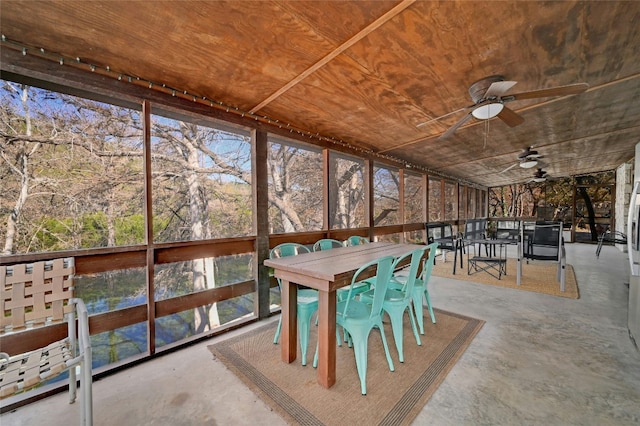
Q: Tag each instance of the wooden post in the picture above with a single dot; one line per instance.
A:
(259, 185)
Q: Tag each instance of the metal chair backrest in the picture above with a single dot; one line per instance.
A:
(441, 233)
(288, 249)
(327, 244)
(427, 267)
(475, 229)
(35, 294)
(417, 263)
(545, 243)
(356, 240)
(508, 229)
(384, 270)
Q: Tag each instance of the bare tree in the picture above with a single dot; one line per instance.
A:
(19, 164)
(346, 185)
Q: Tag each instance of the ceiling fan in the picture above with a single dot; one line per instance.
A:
(539, 176)
(527, 159)
(489, 99)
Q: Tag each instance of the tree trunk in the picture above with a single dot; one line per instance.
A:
(589, 205)
(23, 163)
(206, 317)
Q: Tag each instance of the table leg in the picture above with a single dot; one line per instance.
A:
(519, 271)
(289, 332)
(327, 338)
(455, 258)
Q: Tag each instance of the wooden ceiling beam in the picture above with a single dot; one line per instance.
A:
(337, 51)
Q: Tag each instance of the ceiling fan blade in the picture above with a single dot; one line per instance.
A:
(509, 168)
(571, 89)
(498, 88)
(510, 117)
(455, 127)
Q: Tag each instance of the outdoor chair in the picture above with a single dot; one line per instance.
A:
(327, 244)
(358, 318)
(546, 243)
(40, 295)
(341, 293)
(507, 229)
(441, 233)
(609, 236)
(420, 289)
(355, 240)
(399, 300)
(307, 303)
(474, 229)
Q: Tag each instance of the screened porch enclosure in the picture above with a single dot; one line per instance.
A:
(169, 214)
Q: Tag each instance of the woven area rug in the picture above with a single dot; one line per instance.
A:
(539, 277)
(393, 398)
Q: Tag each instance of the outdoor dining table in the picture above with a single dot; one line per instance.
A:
(325, 271)
(498, 262)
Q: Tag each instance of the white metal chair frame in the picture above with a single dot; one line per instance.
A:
(40, 294)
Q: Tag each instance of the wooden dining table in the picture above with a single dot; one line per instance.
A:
(325, 271)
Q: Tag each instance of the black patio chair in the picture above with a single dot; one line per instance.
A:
(609, 236)
(441, 233)
(547, 244)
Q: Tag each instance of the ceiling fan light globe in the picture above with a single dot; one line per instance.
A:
(528, 164)
(541, 179)
(487, 111)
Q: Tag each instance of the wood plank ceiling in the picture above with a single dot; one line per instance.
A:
(371, 73)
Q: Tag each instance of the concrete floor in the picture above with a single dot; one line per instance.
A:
(538, 360)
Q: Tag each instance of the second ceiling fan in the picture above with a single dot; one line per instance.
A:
(489, 99)
(539, 176)
(527, 159)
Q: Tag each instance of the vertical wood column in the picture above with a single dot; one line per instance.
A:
(425, 205)
(401, 204)
(148, 216)
(368, 196)
(259, 187)
(456, 200)
(326, 210)
(573, 207)
(443, 200)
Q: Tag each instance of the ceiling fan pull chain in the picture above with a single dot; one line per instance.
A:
(486, 133)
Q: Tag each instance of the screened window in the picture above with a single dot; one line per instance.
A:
(389, 238)
(111, 291)
(471, 203)
(413, 198)
(386, 196)
(435, 200)
(295, 187)
(346, 192)
(481, 203)
(462, 202)
(72, 175)
(181, 278)
(450, 201)
(201, 179)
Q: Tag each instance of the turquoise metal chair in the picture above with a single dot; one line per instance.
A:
(355, 240)
(399, 300)
(307, 303)
(420, 288)
(362, 286)
(358, 318)
(341, 294)
(327, 244)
